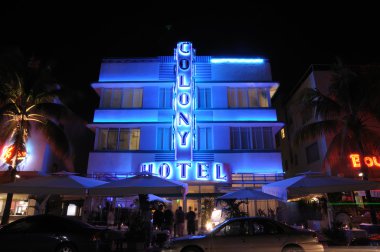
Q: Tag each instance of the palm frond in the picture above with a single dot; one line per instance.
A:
(316, 129)
(51, 110)
(56, 138)
(339, 150)
(324, 106)
(334, 152)
(48, 95)
(371, 141)
(8, 108)
(6, 132)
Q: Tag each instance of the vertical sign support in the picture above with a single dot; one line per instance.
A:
(183, 122)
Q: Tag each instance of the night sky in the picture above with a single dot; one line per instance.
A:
(290, 37)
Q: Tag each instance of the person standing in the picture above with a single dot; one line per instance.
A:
(158, 218)
(168, 220)
(179, 221)
(190, 217)
(111, 217)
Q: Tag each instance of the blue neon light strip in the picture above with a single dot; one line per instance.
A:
(237, 115)
(238, 61)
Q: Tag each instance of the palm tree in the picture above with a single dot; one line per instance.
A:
(28, 104)
(348, 115)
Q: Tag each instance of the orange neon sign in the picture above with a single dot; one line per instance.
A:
(369, 161)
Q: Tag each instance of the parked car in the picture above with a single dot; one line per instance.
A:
(249, 234)
(55, 234)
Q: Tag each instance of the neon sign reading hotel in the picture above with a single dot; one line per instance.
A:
(184, 168)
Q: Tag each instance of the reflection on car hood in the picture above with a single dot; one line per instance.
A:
(188, 237)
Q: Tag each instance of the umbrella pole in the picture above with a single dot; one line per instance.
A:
(329, 212)
(247, 206)
(184, 203)
(42, 208)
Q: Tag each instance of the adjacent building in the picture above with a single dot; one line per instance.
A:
(309, 156)
(204, 120)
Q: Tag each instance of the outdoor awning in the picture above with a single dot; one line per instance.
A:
(140, 184)
(316, 183)
(52, 184)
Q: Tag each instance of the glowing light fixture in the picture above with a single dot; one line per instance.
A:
(282, 133)
(10, 151)
(238, 61)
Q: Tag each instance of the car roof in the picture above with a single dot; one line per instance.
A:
(52, 217)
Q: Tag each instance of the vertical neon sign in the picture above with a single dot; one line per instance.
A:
(183, 122)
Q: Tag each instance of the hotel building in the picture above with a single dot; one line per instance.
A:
(203, 120)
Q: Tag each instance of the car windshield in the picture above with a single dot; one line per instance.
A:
(78, 222)
(282, 226)
(216, 228)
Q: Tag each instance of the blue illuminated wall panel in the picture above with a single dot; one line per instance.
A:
(132, 115)
(129, 71)
(219, 97)
(237, 115)
(116, 162)
(151, 97)
(252, 162)
(147, 138)
(241, 72)
(221, 143)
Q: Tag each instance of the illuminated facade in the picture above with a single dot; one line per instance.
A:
(204, 120)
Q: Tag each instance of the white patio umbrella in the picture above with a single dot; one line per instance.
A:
(52, 184)
(316, 183)
(248, 194)
(152, 197)
(140, 184)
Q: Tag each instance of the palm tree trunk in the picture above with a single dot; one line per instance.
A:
(13, 170)
(368, 195)
(8, 202)
(369, 198)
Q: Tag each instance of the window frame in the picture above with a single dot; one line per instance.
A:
(103, 141)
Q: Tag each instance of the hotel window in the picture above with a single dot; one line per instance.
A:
(312, 153)
(258, 138)
(165, 98)
(204, 98)
(118, 139)
(204, 139)
(116, 98)
(112, 139)
(122, 98)
(248, 97)
(129, 139)
(132, 98)
(164, 139)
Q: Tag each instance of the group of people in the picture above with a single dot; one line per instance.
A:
(167, 220)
